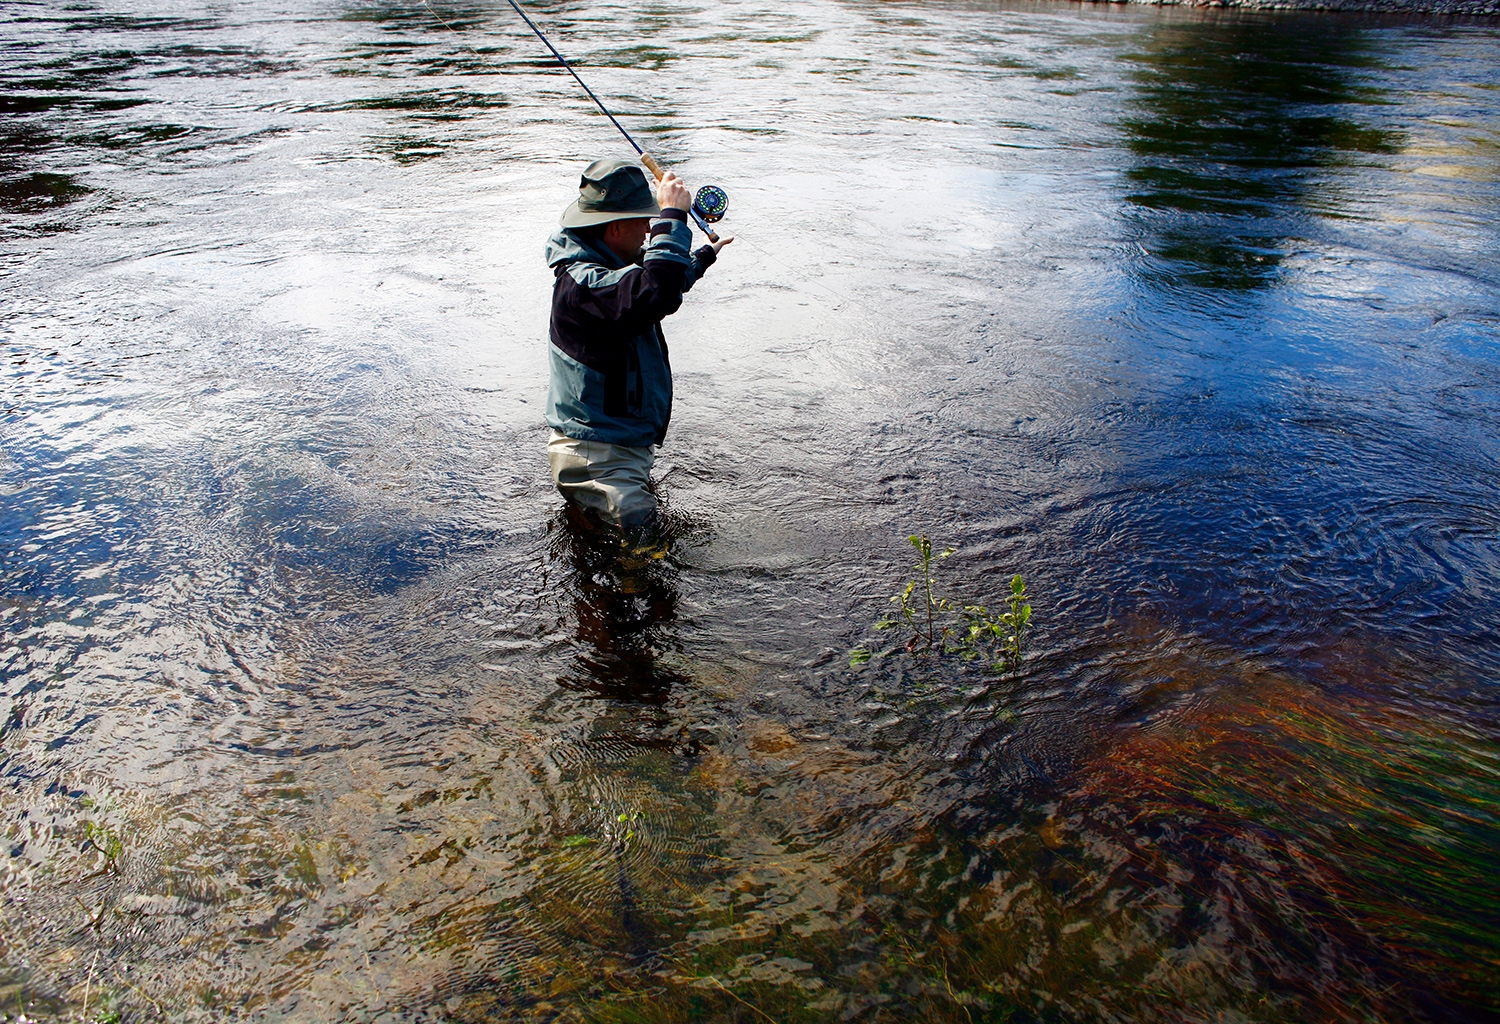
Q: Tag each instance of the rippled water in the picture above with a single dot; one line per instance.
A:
(319, 708)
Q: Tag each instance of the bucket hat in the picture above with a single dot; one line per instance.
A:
(610, 190)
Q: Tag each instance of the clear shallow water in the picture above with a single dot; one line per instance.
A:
(1191, 318)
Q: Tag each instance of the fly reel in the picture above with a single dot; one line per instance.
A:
(710, 203)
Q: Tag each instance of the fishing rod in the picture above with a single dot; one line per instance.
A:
(709, 204)
(711, 201)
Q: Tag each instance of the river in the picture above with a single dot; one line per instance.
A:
(319, 708)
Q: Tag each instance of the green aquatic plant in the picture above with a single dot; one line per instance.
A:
(105, 841)
(1017, 620)
(970, 630)
(627, 819)
(1003, 635)
(621, 832)
(99, 835)
(923, 621)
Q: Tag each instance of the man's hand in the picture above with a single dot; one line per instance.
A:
(672, 194)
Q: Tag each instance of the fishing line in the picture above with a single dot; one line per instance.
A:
(711, 201)
(564, 62)
(709, 204)
(715, 197)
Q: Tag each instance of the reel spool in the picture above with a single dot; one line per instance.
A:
(710, 203)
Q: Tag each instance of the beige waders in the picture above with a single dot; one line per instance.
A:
(609, 480)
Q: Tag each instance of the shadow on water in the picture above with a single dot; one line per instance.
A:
(39, 191)
(432, 104)
(24, 190)
(421, 16)
(1232, 126)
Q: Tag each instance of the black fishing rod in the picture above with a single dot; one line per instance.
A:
(711, 201)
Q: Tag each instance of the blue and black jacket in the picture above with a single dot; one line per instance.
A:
(611, 380)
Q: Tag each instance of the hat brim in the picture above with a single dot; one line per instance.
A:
(573, 217)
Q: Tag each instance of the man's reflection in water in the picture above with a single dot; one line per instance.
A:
(624, 598)
(624, 603)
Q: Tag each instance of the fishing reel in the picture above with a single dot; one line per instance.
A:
(711, 203)
(708, 205)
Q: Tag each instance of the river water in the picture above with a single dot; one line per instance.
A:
(319, 708)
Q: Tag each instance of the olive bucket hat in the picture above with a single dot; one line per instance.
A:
(610, 190)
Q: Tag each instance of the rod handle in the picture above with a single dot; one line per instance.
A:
(656, 169)
(713, 236)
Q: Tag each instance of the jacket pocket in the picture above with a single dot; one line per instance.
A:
(623, 384)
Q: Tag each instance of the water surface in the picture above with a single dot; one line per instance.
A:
(320, 708)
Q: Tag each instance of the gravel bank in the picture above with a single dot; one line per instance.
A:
(1387, 6)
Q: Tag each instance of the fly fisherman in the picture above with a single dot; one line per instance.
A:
(622, 263)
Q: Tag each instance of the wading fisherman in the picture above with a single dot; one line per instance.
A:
(622, 261)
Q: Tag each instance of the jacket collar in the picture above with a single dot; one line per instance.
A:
(566, 246)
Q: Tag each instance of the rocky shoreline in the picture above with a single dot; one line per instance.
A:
(1444, 7)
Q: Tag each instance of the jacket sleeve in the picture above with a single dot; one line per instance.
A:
(703, 258)
(634, 298)
(671, 236)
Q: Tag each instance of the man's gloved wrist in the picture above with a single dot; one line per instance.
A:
(673, 213)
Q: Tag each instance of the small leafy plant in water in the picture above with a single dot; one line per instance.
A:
(100, 836)
(105, 841)
(937, 624)
(1004, 634)
(620, 833)
(627, 819)
(932, 607)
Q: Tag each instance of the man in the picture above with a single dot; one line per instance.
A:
(622, 263)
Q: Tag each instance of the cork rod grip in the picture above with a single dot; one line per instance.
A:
(656, 169)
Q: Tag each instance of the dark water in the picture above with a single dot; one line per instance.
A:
(318, 708)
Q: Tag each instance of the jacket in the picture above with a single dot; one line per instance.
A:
(611, 380)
